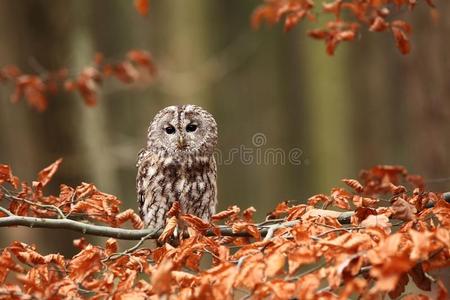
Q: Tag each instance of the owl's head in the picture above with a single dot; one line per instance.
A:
(183, 129)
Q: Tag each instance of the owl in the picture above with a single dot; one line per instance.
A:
(178, 165)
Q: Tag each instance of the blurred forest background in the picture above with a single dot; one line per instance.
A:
(366, 105)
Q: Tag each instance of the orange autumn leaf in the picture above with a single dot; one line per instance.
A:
(46, 174)
(420, 279)
(401, 40)
(379, 24)
(169, 229)
(360, 201)
(380, 221)
(246, 227)
(196, 222)
(403, 210)
(229, 212)
(142, 6)
(300, 256)
(85, 263)
(26, 254)
(129, 215)
(354, 184)
(161, 278)
(6, 175)
(33, 89)
(183, 279)
(111, 246)
(174, 210)
(319, 198)
(340, 198)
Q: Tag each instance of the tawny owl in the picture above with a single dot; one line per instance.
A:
(178, 165)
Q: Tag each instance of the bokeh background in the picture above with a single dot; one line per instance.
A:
(366, 105)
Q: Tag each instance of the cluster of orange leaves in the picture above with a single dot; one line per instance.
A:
(349, 17)
(84, 200)
(137, 66)
(308, 254)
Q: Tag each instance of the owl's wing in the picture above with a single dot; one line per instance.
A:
(146, 162)
(141, 155)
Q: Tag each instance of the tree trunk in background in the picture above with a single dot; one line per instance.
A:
(37, 36)
(427, 94)
(377, 116)
(294, 106)
(184, 63)
(329, 114)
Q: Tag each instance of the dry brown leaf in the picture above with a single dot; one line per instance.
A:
(403, 210)
(390, 272)
(295, 212)
(340, 198)
(319, 198)
(355, 285)
(162, 277)
(377, 221)
(168, 231)
(248, 213)
(275, 263)
(400, 287)
(129, 214)
(421, 247)
(111, 246)
(183, 279)
(419, 278)
(196, 222)
(229, 212)
(46, 174)
(360, 201)
(354, 184)
(300, 256)
(246, 227)
(7, 176)
(251, 271)
(174, 210)
(85, 263)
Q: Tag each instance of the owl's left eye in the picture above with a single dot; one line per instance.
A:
(170, 129)
(191, 127)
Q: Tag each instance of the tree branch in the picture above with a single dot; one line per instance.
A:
(266, 228)
(132, 234)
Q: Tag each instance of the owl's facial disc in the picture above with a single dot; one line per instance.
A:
(183, 130)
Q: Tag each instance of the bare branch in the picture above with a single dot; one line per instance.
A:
(130, 234)
(266, 228)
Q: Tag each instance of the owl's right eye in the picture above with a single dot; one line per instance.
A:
(170, 130)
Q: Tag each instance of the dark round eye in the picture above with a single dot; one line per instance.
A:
(191, 127)
(170, 130)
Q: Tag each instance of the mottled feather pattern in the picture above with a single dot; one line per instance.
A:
(178, 166)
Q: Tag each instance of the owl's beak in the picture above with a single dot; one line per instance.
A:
(181, 142)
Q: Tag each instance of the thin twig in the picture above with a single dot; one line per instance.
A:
(348, 229)
(132, 249)
(10, 197)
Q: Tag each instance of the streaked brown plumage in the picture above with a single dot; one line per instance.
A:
(178, 165)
